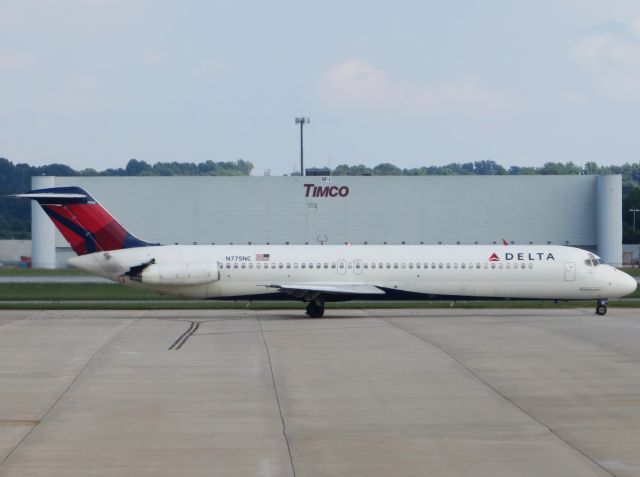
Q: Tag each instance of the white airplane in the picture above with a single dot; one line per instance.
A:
(319, 273)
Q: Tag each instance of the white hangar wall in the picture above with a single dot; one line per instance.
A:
(583, 211)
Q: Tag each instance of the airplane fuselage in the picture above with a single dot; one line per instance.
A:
(365, 271)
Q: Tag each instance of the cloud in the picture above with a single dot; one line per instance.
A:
(357, 83)
(611, 60)
(11, 62)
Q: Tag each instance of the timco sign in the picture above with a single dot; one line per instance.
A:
(312, 190)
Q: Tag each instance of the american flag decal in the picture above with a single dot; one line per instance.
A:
(262, 257)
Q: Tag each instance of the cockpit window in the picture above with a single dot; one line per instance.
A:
(593, 261)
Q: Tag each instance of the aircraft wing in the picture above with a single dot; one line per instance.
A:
(300, 290)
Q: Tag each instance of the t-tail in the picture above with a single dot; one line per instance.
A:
(83, 222)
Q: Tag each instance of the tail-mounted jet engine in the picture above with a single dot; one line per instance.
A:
(187, 273)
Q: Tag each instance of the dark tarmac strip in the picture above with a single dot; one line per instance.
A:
(358, 393)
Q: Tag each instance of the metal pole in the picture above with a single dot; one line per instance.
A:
(302, 157)
(302, 121)
(634, 220)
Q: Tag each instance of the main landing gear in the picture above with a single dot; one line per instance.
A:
(315, 308)
(601, 307)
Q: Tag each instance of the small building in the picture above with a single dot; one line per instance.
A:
(318, 171)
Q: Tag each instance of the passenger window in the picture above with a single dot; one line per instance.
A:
(463, 265)
(295, 265)
(433, 265)
(373, 265)
(477, 265)
(251, 265)
(380, 265)
(349, 265)
(500, 266)
(493, 265)
(418, 265)
(395, 265)
(530, 265)
(228, 265)
(235, 265)
(333, 265)
(288, 265)
(486, 265)
(366, 265)
(508, 265)
(273, 266)
(403, 265)
(326, 265)
(318, 266)
(455, 266)
(280, 265)
(522, 265)
(448, 265)
(244, 265)
(303, 265)
(388, 265)
(357, 265)
(440, 265)
(258, 265)
(411, 265)
(310, 265)
(341, 265)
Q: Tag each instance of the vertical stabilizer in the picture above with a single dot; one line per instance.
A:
(83, 222)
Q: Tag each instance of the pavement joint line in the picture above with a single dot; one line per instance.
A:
(66, 390)
(503, 396)
(275, 390)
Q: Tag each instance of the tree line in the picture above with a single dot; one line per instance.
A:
(15, 216)
(14, 178)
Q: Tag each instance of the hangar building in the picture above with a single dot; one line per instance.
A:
(582, 211)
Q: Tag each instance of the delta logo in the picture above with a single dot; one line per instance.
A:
(538, 256)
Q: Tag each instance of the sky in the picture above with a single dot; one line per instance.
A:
(94, 83)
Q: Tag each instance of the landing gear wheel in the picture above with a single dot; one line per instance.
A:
(601, 307)
(315, 310)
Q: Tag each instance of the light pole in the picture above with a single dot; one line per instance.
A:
(302, 121)
(634, 221)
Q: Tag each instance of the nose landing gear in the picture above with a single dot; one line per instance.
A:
(601, 307)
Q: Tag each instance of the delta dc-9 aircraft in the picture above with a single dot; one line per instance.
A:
(317, 274)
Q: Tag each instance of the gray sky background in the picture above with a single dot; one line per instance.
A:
(94, 83)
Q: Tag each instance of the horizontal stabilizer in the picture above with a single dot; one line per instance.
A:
(50, 196)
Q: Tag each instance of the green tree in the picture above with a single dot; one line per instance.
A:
(386, 169)
(136, 168)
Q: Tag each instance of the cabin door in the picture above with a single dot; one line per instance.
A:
(569, 271)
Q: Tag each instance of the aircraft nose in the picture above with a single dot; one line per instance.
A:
(626, 284)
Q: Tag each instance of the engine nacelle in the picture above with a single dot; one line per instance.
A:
(188, 273)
